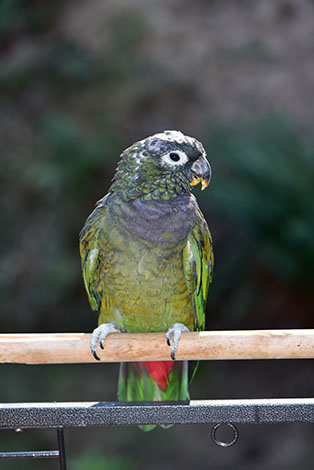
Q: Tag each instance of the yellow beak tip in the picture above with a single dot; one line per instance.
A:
(196, 180)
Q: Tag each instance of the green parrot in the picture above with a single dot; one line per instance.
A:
(147, 258)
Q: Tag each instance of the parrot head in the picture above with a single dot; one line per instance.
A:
(162, 166)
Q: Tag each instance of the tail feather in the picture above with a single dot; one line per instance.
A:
(153, 381)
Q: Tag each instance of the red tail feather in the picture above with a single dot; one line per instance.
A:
(159, 372)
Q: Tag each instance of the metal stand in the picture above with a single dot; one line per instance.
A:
(21, 416)
(43, 454)
(62, 461)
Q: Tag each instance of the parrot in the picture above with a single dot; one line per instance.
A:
(147, 259)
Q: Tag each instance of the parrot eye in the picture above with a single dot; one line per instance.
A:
(174, 158)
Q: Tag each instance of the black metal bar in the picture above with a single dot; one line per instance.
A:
(62, 460)
(82, 414)
(42, 454)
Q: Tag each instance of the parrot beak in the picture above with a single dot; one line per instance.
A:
(201, 172)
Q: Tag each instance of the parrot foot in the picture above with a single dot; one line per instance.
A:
(175, 332)
(99, 335)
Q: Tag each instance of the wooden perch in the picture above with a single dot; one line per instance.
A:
(70, 348)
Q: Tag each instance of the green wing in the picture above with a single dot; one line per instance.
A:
(92, 248)
(198, 262)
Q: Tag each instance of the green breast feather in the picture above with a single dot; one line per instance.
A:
(98, 258)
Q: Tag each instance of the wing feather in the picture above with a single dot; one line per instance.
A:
(92, 243)
(198, 261)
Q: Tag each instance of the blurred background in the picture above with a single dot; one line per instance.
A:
(79, 82)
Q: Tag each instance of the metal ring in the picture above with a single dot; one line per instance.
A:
(221, 443)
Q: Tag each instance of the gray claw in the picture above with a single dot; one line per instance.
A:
(99, 335)
(175, 332)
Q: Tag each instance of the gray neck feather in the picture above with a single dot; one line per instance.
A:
(158, 222)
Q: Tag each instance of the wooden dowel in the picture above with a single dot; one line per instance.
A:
(67, 348)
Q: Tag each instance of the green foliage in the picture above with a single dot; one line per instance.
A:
(263, 182)
(67, 111)
(126, 35)
(92, 460)
(71, 159)
(8, 15)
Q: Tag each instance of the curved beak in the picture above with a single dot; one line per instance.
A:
(201, 172)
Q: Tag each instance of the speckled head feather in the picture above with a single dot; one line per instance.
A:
(161, 166)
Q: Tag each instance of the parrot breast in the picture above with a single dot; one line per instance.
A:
(145, 280)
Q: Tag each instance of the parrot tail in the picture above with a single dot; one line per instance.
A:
(153, 381)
